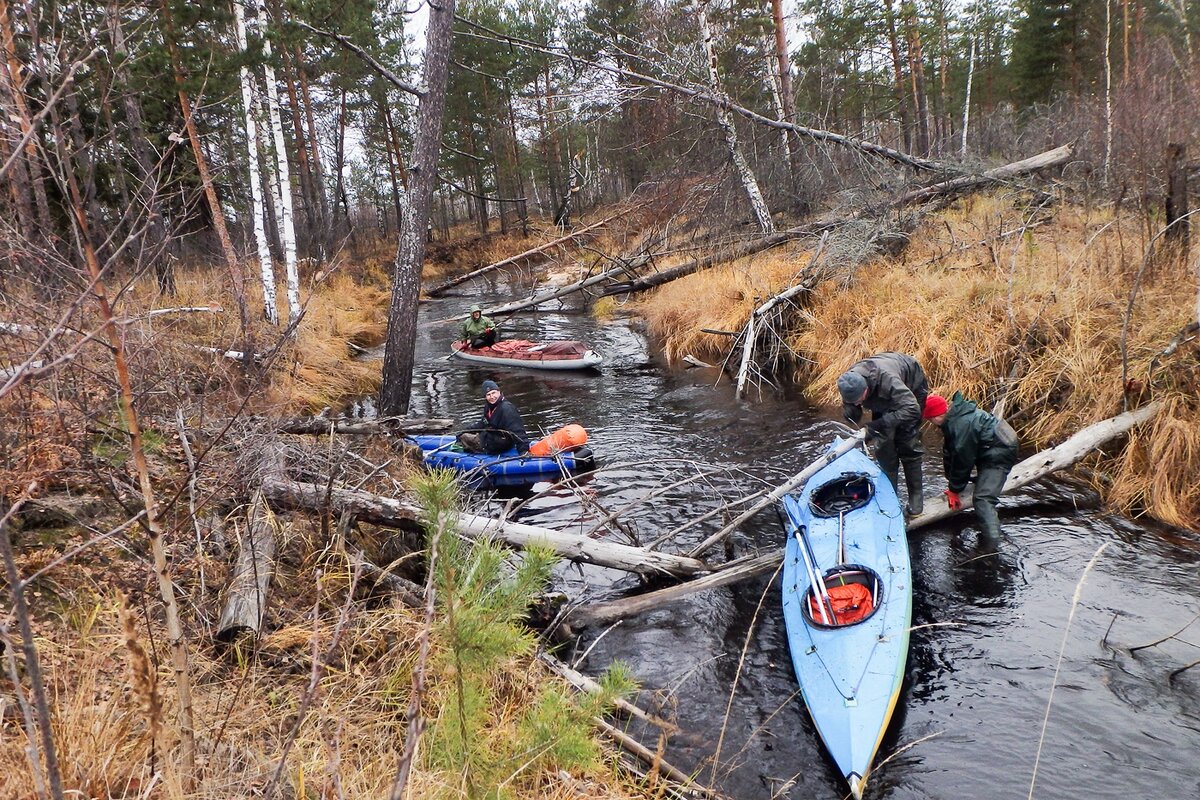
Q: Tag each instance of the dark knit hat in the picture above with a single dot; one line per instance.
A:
(490, 385)
(851, 386)
(935, 406)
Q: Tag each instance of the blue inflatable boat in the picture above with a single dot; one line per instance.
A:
(508, 469)
(849, 638)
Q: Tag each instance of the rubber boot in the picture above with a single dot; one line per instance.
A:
(914, 480)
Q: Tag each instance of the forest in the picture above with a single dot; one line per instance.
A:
(232, 233)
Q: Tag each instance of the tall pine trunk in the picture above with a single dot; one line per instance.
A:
(898, 75)
(16, 91)
(410, 254)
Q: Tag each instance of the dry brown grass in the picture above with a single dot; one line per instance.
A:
(1045, 303)
(721, 298)
(245, 707)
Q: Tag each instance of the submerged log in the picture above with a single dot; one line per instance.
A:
(1031, 469)
(613, 610)
(378, 427)
(450, 284)
(790, 485)
(397, 513)
(246, 597)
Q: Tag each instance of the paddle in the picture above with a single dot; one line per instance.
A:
(810, 559)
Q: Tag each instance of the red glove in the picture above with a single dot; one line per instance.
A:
(953, 500)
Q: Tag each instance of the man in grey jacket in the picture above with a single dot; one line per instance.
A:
(894, 388)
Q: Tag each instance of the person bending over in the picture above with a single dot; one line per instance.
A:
(973, 439)
(893, 386)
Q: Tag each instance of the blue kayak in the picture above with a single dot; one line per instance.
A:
(481, 471)
(849, 643)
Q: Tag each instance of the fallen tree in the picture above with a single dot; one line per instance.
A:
(246, 597)
(450, 284)
(1051, 158)
(1027, 471)
(381, 426)
(388, 511)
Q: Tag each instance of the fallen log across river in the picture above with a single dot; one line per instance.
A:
(388, 511)
(1027, 471)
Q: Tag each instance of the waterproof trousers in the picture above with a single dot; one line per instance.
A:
(994, 466)
(903, 447)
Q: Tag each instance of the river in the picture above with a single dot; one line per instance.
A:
(989, 620)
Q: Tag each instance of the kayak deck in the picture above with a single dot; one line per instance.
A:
(850, 675)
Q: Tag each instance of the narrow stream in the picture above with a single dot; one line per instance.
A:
(990, 621)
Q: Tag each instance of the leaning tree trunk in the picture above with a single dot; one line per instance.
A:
(287, 227)
(410, 254)
(757, 204)
(256, 194)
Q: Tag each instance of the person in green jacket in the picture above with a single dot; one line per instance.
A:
(973, 439)
(478, 330)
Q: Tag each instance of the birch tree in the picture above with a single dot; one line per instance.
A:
(410, 254)
(283, 184)
(249, 105)
(757, 204)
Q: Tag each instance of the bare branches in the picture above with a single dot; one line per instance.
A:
(383, 71)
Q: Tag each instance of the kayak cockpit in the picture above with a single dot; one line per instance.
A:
(853, 593)
(842, 495)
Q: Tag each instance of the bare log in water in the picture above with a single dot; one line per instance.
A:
(381, 426)
(397, 513)
(1031, 469)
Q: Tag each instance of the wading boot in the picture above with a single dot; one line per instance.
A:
(916, 498)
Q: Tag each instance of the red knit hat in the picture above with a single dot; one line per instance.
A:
(935, 405)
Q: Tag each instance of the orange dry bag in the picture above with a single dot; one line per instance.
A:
(563, 440)
(851, 603)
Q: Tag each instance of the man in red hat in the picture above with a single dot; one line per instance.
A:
(973, 439)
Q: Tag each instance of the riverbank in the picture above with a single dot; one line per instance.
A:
(1000, 302)
(326, 690)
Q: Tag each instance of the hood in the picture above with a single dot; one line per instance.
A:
(960, 405)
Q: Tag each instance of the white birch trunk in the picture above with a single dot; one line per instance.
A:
(773, 86)
(283, 189)
(256, 197)
(759, 206)
(967, 101)
(1108, 130)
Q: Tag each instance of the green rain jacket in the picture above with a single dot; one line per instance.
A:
(971, 438)
(472, 327)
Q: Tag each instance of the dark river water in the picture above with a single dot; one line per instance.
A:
(989, 619)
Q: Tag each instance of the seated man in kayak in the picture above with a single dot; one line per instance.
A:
(973, 438)
(478, 330)
(500, 428)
